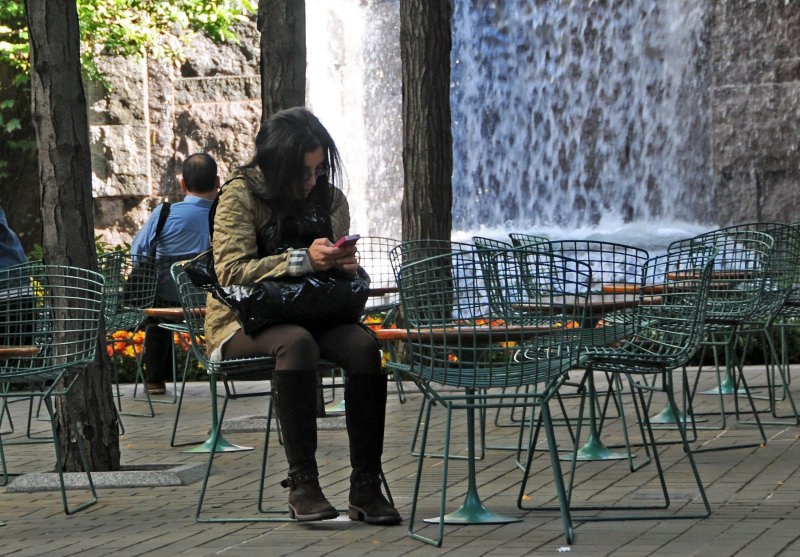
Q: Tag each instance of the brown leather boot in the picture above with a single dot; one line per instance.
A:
(295, 396)
(368, 503)
(306, 500)
(365, 407)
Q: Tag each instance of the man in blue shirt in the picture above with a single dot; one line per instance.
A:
(184, 235)
(11, 252)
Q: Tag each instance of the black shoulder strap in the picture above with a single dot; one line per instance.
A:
(162, 218)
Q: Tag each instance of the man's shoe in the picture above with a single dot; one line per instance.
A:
(156, 388)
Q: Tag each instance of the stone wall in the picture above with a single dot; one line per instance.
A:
(158, 112)
(755, 64)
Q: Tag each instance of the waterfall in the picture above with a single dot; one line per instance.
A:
(569, 118)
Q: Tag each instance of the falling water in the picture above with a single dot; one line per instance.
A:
(587, 119)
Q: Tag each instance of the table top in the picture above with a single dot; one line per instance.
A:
(485, 332)
(171, 313)
(596, 302)
(630, 288)
(8, 352)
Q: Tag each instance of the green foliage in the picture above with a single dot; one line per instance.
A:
(103, 247)
(135, 27)
(111, 27)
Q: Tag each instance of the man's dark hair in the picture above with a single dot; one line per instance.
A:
(200, 173)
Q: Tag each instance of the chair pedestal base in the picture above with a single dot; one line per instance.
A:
(668, 417)
(726, 387)
(472, 511)
(593, 449)
(222, 446)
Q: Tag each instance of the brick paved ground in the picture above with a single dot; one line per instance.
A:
(754, 494)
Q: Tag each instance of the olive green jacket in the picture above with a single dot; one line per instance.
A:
(239, 214)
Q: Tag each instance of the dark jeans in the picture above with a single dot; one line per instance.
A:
(352, 346)
(158, 347)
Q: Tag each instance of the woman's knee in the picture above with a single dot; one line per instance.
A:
(297, 350)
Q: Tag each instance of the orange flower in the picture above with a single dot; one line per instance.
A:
(182, 340)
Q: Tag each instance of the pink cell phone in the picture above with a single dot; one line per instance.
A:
(346, 241)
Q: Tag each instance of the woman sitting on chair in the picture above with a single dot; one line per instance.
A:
(276, 217)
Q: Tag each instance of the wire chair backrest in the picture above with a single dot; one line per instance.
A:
(373, 256)
(794, 295)
(193, 301)
(611, 263)
(741, 268)
(484, 242)
(782, 272)
(416, 250)
(458, 338)
(670, 317)
(130, 287)
(617, 272)
(56, 309)
(522, 240)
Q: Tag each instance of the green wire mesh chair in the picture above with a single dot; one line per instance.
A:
(131, 283)
(466, 352)
(668, 327)
(57, 310)
(617, 273)
(488, 264)
(779, 285)
(747, 268)
(403, 254)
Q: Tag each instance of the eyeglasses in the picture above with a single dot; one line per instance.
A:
(319, 172)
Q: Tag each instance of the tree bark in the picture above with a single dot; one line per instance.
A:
(425, 44)
(65, 182)
(283, 54)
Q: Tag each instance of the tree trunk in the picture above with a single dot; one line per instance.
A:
(62, 137)
(425, 43)
(283, 54)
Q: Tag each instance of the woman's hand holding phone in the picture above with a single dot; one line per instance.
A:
(341, 255)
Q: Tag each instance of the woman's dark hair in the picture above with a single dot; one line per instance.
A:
(281, 145)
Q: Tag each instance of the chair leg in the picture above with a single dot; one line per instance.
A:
(640, 401)
(215, 439)
(139, 377)
(772, 387)
(59, 462)
(179, 405)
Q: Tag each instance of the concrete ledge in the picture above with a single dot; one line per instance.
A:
(250, 424)
(144, 475)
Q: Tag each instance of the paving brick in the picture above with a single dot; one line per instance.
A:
(754, 493)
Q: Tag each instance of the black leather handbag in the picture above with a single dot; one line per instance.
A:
(317, 300)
